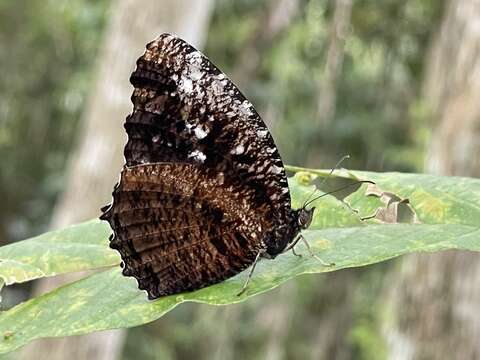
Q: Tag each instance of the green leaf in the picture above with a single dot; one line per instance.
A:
(436, 199)
(79, 247)
(109, 300)
(447, 208)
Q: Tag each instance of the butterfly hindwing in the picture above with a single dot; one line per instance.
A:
(178, 228)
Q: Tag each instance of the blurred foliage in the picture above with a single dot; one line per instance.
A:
(380, 121)
(48, 49)
(377, 92)
(47, 59)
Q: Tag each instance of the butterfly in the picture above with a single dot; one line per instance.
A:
(203, 194)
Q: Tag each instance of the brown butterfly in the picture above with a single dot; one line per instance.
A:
(203, 194)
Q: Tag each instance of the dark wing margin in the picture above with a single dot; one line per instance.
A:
(179, 229)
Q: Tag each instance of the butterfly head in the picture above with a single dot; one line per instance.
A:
(304, 217)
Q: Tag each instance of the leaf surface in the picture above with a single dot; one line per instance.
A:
(448, 209)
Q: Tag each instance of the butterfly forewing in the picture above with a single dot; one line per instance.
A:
(186, 110)
(203, 189)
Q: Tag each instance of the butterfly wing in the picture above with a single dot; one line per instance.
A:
(191, 127)
(179, 228)
(186, 110)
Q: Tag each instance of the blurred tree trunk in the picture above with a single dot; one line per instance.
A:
(327, 86)
(436, 300)
(95, 165)
(333, 65)
(269, 24)
(330, 340)
(275, 317)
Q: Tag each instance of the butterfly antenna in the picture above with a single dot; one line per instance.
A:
(340, 189)
(336, 167)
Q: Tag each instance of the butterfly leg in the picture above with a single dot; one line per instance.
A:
(309, 249)
(245, 285)
(355, 211)
(294, 253)
(312, 253)
(292, 247)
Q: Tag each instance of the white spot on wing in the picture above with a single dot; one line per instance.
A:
(221, 178)
(195, 73)
(276, 169)
(200, 133)
(217, 87)
(238, 150)
(194, 68)
(186, 85)
(195, 58)
(262, 133)
(197, 155)
(245, 108)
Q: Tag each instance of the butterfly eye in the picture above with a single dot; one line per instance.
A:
(305, 217)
